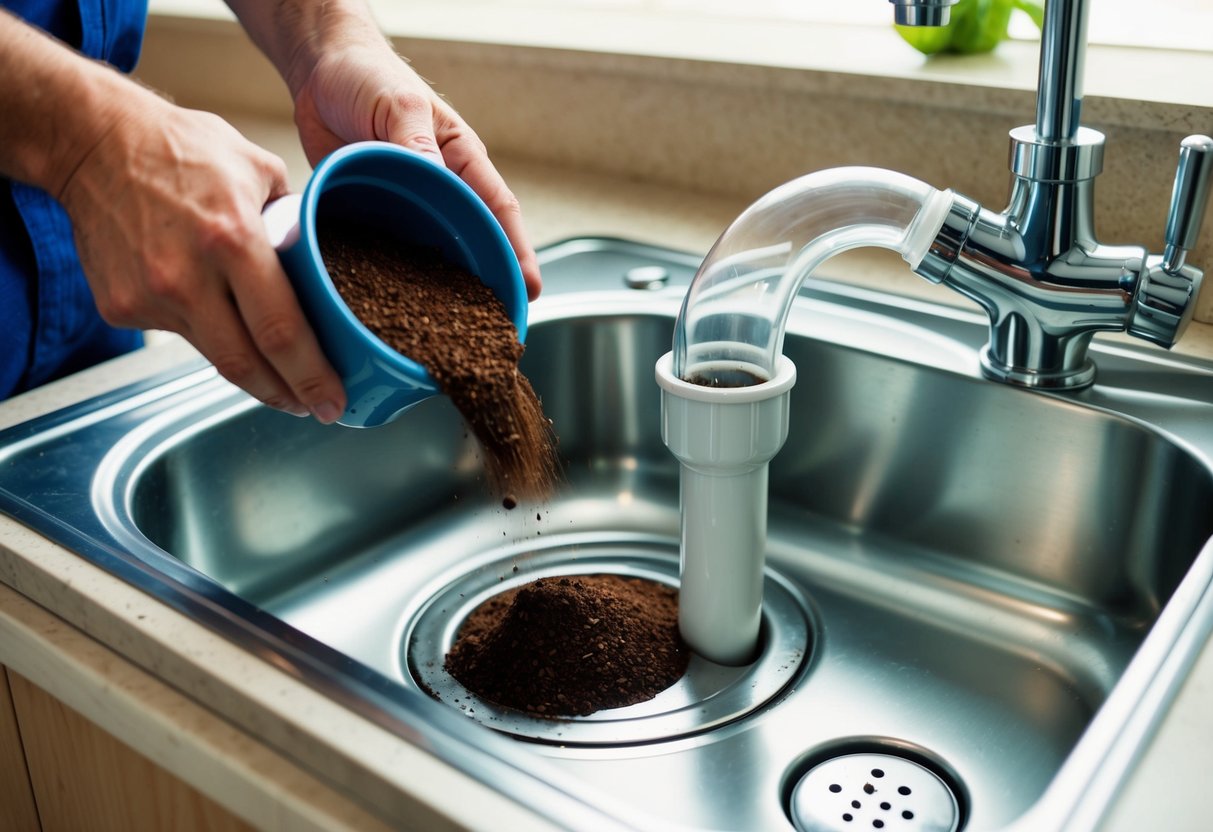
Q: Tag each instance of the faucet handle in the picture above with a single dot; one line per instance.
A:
(1188, 200)
(1164, 302)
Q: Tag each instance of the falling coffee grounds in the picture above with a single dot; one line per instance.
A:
(444, 318)
(571, 646)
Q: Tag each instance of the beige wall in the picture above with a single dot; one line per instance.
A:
(720, 129)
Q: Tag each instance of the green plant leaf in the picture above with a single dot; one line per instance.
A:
(981, 26)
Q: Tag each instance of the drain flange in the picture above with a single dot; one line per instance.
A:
(873, 791)
(708, 695)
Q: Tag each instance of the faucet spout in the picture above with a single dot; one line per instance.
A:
(922, 12)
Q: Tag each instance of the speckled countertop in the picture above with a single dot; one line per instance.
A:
(156, 679)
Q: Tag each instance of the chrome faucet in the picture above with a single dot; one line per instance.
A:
(1036, 268)
(923, 12)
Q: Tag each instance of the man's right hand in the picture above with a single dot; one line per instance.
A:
(166, 208)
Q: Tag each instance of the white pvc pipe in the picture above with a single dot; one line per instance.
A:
(724, 438)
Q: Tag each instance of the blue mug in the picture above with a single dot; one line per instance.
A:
(414, 200)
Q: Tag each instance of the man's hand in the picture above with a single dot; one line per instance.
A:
(365, 91)
(166, 209)
(349, 85)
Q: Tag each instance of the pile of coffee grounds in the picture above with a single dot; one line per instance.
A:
(572, 646)
(444, 318)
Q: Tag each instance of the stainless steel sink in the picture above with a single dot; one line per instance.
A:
(1002, 587)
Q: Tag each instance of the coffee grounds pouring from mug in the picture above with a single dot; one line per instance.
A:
(444, 318)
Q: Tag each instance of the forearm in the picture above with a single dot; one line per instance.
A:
(57, 111)
(293, 34)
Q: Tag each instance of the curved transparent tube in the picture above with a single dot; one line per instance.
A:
(726, 385)
(732, 322)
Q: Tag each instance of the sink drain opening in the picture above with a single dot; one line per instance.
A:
(873, 791)
(707, 695)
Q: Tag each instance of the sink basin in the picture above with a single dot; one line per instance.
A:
(1002, 587)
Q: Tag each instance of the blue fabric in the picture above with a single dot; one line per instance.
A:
(49, 325)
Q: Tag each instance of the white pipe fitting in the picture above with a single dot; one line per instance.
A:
(724, 437)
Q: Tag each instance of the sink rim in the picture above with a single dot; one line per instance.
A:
(1187, 624)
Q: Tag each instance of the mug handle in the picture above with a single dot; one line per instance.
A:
(281, 218)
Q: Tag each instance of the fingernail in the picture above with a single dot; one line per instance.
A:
(284, 406)
(326, 412)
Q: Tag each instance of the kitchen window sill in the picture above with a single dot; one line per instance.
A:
(865, 61)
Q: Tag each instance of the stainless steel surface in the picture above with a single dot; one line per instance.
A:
(707, 696)
(1011, 584)
(647, 277)
(1046, 282)
(873, 790)
(922, 12)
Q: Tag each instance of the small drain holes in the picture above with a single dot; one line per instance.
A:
(908, 797)
(868, 788)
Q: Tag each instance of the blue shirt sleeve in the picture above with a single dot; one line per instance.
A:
(49, 324)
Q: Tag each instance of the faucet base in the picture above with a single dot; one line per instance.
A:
(1074, 379)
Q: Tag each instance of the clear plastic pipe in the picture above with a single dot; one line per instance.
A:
(737, 307)
(726, 385)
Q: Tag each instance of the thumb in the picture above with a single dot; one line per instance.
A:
(275, 177)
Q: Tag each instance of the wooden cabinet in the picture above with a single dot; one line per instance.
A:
(17, 809)
(60, 773)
